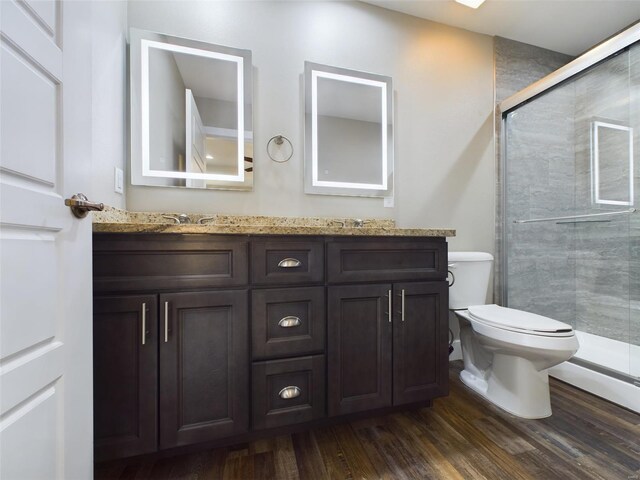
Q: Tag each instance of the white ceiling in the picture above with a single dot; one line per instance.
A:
(567, 26)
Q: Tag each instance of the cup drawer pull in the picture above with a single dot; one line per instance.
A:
(289, 263)
(289, 392)
(290, 321)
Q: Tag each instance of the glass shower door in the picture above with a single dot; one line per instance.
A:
(571, 240)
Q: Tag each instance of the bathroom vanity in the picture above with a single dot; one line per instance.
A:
(206, 335)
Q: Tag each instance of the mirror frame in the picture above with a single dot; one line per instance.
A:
(313, 71)
(596, 125)
(140, 43)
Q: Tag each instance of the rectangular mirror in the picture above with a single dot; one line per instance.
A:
(348, 132)
(611, 163)
(191, 113)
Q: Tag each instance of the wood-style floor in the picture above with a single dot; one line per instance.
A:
(461, 437)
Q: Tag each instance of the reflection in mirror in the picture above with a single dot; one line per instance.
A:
(348, 132)
(191, 113)
(611, 163)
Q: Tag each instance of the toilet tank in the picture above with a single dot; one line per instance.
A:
(471, 271)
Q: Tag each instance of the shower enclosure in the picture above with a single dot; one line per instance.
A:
(571, 234)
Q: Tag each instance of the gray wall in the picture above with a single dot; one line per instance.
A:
(109, 124)
(517, 65)
(443, 81)
(540, 183)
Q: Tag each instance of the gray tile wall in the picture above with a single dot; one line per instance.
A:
(540, 180)
(517, 65)
(586, 274)
(602, 249)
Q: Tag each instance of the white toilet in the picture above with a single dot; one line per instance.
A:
(506, 352)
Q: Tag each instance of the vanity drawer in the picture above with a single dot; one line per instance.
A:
(126, 262)
(287, 261)
(287, 322)
(386, 259)
(302, 378)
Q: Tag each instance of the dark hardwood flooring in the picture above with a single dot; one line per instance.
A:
(461, 437)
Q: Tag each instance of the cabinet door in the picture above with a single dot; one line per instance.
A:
(359, 348)
(125, 366)
(420, 340)
(204, 366)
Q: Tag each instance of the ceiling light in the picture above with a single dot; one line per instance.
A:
(471, 3)
(209, 157)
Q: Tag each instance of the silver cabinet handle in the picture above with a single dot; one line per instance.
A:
(144, 323)
(166, 322)
(290, 321)
(389, 313)
(289, 392)
(402, 295)
(289, 263)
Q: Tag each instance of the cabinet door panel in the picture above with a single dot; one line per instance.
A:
(359, 348)
(125, 370)
(420, 356)
(203, 367)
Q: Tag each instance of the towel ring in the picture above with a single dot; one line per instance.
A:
(279, 148)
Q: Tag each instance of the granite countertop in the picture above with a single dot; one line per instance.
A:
(120, 221)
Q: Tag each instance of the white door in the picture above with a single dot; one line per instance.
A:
(46, 421)
(196, 149)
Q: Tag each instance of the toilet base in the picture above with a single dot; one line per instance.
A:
(513, 384)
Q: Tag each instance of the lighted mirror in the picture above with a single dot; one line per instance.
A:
(348, 132)
(611, 163)
(191, 113)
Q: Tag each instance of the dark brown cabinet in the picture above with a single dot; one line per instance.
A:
(359, 348)
(192, 361)
(204, 363)
(125, 363)
(218, 338)
(420, 330)
(387, 342)
(189, 381)
(385, 345)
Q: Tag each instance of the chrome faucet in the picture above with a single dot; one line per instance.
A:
(181, 218)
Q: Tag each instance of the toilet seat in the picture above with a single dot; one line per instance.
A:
(519, 321)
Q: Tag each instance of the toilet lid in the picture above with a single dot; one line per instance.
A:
(517, 320)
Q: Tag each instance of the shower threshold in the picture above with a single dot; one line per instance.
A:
(605, 367)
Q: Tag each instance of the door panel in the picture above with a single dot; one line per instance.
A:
(125, 384)
(420, 356)
(359, 348)
(204, 366)
(45, 299)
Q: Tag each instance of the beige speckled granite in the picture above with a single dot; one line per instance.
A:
(115, 220)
